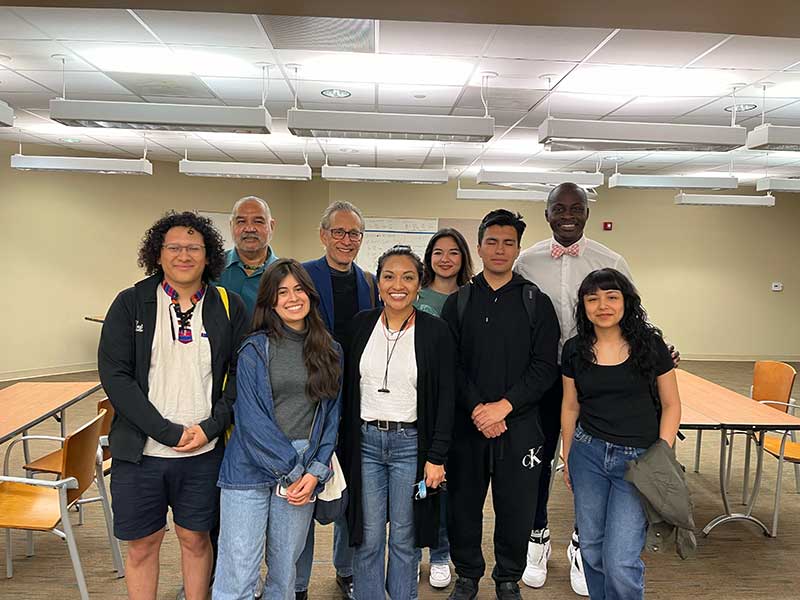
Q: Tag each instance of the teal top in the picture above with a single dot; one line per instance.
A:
(431, 301)
(236, 279)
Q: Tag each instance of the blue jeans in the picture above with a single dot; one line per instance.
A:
(388, 471)
(610, 518)
(441, 554)
(248, 518)
(342, 554)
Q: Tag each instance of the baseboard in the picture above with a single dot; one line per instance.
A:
(46, 371)
(741, 357)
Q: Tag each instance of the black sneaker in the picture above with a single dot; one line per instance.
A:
(508, 590)
(345, 586)
(301, 595)
(465, 589)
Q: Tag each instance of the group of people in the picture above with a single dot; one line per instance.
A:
(237, 376)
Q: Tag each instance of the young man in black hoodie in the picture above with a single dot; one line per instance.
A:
(507, 334)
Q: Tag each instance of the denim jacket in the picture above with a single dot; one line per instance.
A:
(259, 455)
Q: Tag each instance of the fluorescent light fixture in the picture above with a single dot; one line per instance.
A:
(82, 164)
(777, 184)
(548, 177)
(392, 126)
(588, 135)
(204, 168)
(6, 115)
(774, 137)
(622, 180)
(724, 200)
(514, 195)
(160, 117)
(384, 175)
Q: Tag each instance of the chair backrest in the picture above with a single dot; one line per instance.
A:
(773, 381)
(105, 428)
(80, 456)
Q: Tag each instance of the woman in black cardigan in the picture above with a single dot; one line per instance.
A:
(399, 393)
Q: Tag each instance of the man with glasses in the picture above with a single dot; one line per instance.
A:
(344, 289)
(167, 360)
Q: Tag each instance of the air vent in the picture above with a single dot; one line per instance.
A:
(175, 86)
(320, 33)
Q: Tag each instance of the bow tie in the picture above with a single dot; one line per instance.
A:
(557, 250)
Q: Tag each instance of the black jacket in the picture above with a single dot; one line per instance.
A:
(435, 357)
(123, 361)
(500, 353)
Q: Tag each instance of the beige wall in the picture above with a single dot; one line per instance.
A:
(69, 245)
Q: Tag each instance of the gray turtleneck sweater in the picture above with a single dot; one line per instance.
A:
(294, 410)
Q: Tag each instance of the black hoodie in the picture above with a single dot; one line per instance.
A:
(499, 354)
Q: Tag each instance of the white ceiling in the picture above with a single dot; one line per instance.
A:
(432, 68)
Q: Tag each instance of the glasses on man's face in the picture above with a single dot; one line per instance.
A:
(355, 235)
(176, 249)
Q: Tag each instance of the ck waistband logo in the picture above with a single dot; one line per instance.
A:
(531, 458)
(139, 327)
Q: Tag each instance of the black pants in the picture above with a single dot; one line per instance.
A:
(511, 464)
(550, 415)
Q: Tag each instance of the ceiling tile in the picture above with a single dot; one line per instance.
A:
(179, 100)
(361, 93)
(37, 55)
(168, 86)
(227, 62)
(78, 81)
(659, 48)
(204, 29)
(790, 110)
(717, 108)
(501, 98)
(240, 88)
(39, 100)
(410, 95)
(16, 28)
(520, 73)
(753, 52)
(661, 107)
(86, 24)
(414, 110)
(445, 39)
(11, 81)
(545, 43)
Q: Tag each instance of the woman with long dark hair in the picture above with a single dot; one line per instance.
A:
(286, 420)
(620, 397)
(448, 266)
(399, 392)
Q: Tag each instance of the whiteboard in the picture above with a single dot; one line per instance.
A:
(380, 234)
(222, 221)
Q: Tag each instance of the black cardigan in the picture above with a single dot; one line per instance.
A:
(435, 357)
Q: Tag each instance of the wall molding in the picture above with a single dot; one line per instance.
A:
(47, 371)
(741, 357)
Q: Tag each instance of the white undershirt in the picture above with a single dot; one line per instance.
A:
(400, 404)
(180, 377)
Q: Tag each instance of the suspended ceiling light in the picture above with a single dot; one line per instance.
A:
(724, 200)
(204, 168)
(384, 175)
(162, 117)
(774, 137)
(394, 126)
(588, 135)
(82, 164)
(550, 177)
(777, 184)
(622, 180)
(514, 195)
(6, 115)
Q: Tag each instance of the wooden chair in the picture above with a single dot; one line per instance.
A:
(40, 505)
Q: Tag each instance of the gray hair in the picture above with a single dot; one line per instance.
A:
(567, 188)
(241, 201)
(325, 221)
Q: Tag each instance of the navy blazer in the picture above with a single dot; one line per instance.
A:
(321, 276)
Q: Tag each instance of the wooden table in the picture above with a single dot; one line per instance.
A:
(26, 404)
(706, 405)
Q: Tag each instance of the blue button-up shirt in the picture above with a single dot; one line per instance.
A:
(237, 279)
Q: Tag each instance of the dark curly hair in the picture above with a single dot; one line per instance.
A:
(400, 250)
(642, 337)
(503, 218)
(153, 240)
(464, 273)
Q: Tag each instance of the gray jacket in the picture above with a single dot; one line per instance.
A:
(661, 482)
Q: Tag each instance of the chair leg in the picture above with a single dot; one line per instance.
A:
(9, 561)
(80, 514)
(697, 445)
(746, 478)
(116, 555)
(29, 534)
(72, 546)
(793, 436)
(777, 507)
(730, 460)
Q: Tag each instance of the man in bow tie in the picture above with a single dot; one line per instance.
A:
(558, 265)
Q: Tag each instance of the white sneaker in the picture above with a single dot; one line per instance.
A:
(576, 577)
(440, 575)
(538, 554)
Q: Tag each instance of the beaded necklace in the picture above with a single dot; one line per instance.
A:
(184, 317)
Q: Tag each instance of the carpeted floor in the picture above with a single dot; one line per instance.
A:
(735, 562)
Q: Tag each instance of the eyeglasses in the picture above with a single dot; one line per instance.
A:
(192, 249)
(354, 234)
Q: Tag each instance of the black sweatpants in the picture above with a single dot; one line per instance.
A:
(512, 465)
(550, 415)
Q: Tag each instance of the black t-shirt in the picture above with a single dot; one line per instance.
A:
(616, 401)
(345, 301)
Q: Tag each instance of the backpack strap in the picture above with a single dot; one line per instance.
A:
(529, 292)
(223, 295)
(462, 299)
